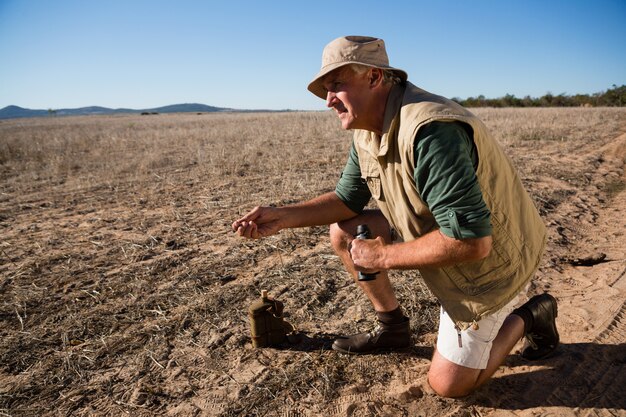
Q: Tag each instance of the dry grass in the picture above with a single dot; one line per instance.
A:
(123, 291)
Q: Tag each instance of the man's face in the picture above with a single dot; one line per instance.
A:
(348, 94)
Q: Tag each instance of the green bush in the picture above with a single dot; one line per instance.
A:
(613, 97)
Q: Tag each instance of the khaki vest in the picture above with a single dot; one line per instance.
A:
(470, 290)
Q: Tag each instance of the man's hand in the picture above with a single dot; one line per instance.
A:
(368, 255)
(267, 221)
(260, 222)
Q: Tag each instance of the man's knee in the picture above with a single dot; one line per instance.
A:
(342, 233)
(450, 380)
(449, 387)
(339, 237)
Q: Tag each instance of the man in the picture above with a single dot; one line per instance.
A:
(450, 205)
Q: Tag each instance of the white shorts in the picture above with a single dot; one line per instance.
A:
(475, 344)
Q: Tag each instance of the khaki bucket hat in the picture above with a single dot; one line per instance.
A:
(363, 50)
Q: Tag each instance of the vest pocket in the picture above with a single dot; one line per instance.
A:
(475, 278)
(371, 175)
(373, 183)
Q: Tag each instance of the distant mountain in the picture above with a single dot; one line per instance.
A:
(187, 107)
(11, 112)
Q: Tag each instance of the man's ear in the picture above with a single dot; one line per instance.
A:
(375, 77)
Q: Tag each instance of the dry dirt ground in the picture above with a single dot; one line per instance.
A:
(123, 291)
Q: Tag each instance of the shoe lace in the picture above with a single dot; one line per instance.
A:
(375, 330)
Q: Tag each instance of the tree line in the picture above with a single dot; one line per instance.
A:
(613, 97)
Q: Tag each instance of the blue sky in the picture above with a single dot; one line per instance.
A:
(262, 54)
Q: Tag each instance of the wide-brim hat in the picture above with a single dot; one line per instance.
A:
(362, 50)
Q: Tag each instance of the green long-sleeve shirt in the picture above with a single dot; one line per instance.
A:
(445, 177)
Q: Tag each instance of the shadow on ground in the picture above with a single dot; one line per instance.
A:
(581, 375)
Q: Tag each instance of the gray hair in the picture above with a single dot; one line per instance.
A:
(389, 77)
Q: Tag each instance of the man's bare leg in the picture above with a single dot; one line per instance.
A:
(378, 291)
(393, 330)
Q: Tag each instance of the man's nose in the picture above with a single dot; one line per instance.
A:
(330, 99)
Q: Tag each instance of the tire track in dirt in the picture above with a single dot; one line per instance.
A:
(596, 382)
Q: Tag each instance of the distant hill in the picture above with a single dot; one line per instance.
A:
(11, 112)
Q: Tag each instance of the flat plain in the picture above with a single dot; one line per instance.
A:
(123, 290)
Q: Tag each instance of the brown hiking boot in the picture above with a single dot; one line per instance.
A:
(542, 336)
(383, 337)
